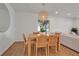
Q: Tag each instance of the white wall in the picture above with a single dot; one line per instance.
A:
(60, 24)
(25, 23)
(4, 21)
(8, 38)
(76, 23)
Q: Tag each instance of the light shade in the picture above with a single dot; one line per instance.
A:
(43, 15)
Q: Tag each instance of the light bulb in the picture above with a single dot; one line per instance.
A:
(56, 12)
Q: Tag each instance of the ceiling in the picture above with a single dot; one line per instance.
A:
(64, 9)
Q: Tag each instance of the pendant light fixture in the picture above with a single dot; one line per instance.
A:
(43, 14)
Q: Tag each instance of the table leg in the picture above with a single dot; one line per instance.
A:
(29, 47)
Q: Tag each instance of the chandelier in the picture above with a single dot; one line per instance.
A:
(43, 14)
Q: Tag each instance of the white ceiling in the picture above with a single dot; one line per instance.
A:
(64, 9)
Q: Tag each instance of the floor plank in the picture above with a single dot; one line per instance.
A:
(17, 50)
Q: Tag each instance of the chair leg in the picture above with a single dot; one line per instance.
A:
(34, 48)
(46, 51)
(59, 47)
(24, 49)
(36, 51)
(56, 49)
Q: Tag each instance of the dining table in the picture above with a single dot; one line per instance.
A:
(32, 37)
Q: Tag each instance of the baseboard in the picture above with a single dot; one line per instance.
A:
(70, 48)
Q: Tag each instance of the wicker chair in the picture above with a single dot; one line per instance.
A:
(52, 42)
(41, 42)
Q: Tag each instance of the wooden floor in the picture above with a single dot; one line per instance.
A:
(17, 50)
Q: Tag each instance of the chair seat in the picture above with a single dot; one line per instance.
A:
(51, 44)
(40, 46)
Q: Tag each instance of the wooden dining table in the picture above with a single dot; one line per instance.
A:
(31, 38)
